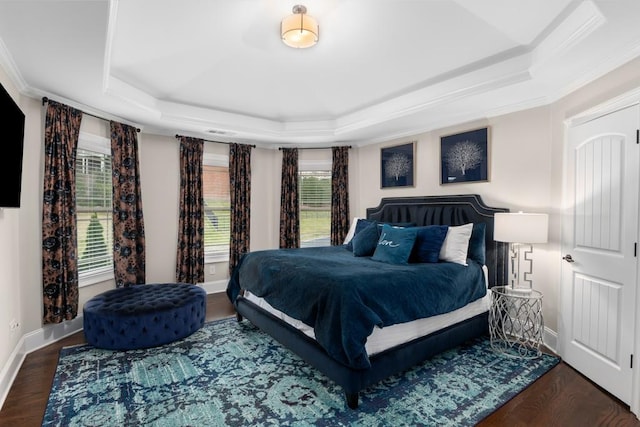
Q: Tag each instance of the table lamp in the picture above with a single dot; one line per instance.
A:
(521, 229)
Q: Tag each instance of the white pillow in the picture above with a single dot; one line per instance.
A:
(456, 244)
(352, 230)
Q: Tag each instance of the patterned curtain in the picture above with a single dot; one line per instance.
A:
(59, 231)
(240, 186)
(190, 260)
(289, 209)
(128, 221)
(339, 195)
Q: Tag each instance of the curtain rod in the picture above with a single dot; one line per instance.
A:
(218, 142)
(315, 148)
(45, 99)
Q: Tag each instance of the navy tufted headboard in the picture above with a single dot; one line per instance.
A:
(449, 210)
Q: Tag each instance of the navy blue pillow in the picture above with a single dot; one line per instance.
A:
(395, 244)
(477, 247)
(360, 225)
(364, 242)
(429, 241)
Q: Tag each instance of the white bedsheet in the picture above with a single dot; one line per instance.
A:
(391, 336)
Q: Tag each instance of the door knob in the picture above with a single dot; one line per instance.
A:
(568, 258)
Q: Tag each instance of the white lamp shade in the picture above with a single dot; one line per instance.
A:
(520, 227)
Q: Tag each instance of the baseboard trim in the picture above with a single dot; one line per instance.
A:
(51, 333)
(32, 342)
(10, 370)
(214, 287)
(550, 339)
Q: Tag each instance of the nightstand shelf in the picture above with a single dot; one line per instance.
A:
(515, 322)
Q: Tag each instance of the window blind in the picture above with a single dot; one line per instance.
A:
(215, 189)
(94, 212)
(314, 195)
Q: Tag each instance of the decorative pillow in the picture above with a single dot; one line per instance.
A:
(361, 224)
(477, 247)
(429, 241)
(364, 243)
(456, 244)
(395, 244)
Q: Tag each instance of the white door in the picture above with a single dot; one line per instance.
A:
(599, 241)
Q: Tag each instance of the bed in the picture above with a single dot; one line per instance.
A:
(355, 318)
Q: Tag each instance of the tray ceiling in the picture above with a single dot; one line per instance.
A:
(382, 69)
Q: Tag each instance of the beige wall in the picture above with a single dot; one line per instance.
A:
(265, 198)
(30, 212)
(525, 174)
(160, 183)
(10, 271)
(519, 165)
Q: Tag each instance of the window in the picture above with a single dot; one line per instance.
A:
(215, 189)
(314, 195)
(94, 209)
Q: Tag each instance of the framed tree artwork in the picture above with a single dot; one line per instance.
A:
(397, 168)
(464, 157)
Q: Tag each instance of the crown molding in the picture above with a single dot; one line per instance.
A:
(9, 65)
(576, 27)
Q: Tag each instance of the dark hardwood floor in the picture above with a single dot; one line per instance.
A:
(562, 397)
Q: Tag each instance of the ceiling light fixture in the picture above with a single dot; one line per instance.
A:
(299, 30)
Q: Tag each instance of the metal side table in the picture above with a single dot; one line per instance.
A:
(515, 321)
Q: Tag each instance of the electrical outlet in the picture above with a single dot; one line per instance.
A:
(212, 269)
(13, 325)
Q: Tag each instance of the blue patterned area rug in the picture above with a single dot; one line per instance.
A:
(232, 374)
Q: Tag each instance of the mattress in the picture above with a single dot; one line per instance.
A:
(384, 338)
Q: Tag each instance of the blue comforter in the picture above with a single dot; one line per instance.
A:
(344, 297)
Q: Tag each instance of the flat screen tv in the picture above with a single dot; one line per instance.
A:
(12, 140)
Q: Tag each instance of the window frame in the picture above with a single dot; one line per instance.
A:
(99, 145)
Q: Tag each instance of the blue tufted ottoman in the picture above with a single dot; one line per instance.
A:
(144, 315)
